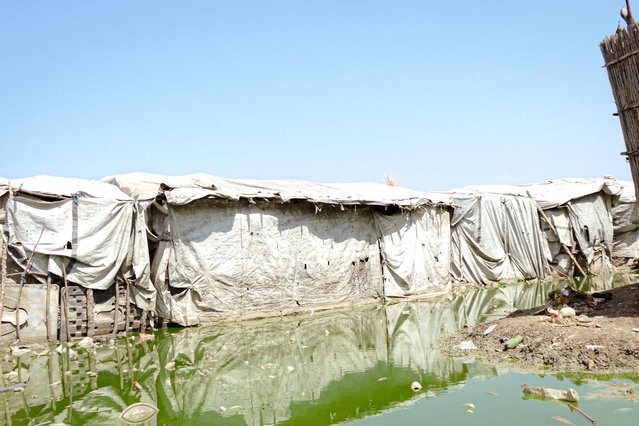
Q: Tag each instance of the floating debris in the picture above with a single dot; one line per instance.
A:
(11, 376)
(569, 395)
(18, 351)
(470, 406)
(144, 337)
(562, 420)
(138, 412)
(18, 387)
(86, 343)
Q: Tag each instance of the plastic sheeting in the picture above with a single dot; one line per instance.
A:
(232, 259)
(496, 237)
(81, 227)
(625, 243)
(226, 247)
(415, 247)
(182, 190)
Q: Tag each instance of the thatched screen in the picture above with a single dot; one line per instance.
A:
(621, 55)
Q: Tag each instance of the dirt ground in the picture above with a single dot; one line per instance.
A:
(601, 340)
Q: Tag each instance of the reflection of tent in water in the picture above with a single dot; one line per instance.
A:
(237, 247)
(78, 235)
(308, 368)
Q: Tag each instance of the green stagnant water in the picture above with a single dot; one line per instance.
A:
(342, 366)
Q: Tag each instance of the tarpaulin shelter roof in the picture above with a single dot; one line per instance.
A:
(62, 187)
(180, 190)
(553, 193)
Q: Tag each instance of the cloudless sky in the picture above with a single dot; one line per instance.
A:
(438, 94)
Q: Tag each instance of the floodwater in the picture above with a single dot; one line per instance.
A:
(316, 368)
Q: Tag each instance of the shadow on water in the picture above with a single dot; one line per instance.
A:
(314, 368)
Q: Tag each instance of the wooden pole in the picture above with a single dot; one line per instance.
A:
(90, 318)
(117, 306)
(126, 307)
(47, 306)
(552, 227)
(66, 301)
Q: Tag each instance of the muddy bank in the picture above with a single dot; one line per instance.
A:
(599, 340)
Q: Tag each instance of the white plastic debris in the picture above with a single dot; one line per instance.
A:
(416, 386)
(489, 329)
(86, 343)
(569, 395)
(139, 412)
(566, 311)
(17, 351)
(593, 347)
(290, 368)
(467, 345)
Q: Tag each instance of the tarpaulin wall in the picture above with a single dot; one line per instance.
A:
(496, 237)
(415, 247)
(231, 258)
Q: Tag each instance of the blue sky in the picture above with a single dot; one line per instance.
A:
(438, 94)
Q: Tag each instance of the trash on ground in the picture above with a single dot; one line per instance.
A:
(636, 330)
(566, 311)
(569, 395)
(593, 347)
(467, 345)
(513, 343)
(138, 412)
(489, 329)
(416, 386)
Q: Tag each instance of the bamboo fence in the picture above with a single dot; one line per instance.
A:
(621, 56)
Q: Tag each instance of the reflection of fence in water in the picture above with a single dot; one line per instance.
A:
(58, 380)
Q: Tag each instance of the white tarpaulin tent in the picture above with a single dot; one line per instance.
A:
(77, 226)
(580, 211)
(496, 237)
(625, 244)
(243, 247)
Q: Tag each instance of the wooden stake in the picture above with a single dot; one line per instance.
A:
(126, 307)
(47, 306)
(66, 301)
(117, 306)
(90, 318)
